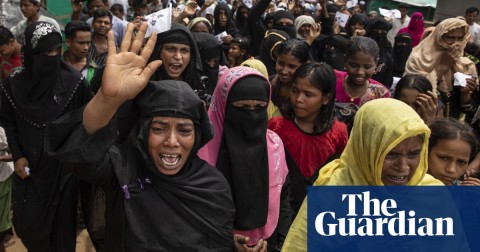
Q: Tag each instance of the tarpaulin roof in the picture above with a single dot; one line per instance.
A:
(421, 3)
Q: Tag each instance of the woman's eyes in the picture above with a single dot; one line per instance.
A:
(158, 129)
(185, 132)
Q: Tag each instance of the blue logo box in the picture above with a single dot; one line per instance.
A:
(393, 218)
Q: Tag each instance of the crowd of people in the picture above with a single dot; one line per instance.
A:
(206, 136)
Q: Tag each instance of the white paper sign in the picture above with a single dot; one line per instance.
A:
(352, 3)
(220, 36)
(159, 21)
(460, 79)
(390, 13)
(248, 3)
(341, 18)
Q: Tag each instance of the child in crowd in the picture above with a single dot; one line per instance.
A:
(451, 147)
(308, 130)
(290, 55)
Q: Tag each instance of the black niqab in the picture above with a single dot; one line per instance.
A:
(289, 29)
(401, 51)
(243, 154)
(209, 48)
(35, 91)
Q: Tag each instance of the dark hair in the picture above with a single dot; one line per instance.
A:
(451, 129)
(418, 82)
(297, 48)
(242, 42)
(403, 5)
(139, 4)
(358, 18)
(89, 1)
(99, 13)
(362, 44)
(5, 35)
(471, 10)
(322, 77)
(118, 7)
(73, 27)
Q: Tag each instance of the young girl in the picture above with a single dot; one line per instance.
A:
(290, 55)
(355, 86)
(308, 130)
(416, 91)
(451, 147)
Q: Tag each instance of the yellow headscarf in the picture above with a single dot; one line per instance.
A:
(379, 126)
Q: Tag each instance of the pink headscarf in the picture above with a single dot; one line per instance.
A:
(278, 169)
(415, 28)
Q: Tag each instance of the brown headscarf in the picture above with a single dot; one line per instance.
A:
(426, 58)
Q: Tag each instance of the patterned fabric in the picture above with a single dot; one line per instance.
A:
(375, 90)
(98, 58)
(9, 66)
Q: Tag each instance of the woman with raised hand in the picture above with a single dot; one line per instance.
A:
(160, 195)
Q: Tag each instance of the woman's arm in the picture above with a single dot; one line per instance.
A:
(126, 74)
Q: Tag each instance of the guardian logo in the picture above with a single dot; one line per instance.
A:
(377, 218)
(393, 218)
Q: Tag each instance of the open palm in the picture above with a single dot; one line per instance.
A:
(126, 72)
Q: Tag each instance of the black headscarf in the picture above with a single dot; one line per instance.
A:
(267, 48)
(401, 50)
(198, 197)
(229, 27)
(243, 154)
(42, 71)
(179, 34)
(334, 51)
(358, 18)
(33, 91)
(241, 22)
(385, 74)
(289, 29)
(209, 48)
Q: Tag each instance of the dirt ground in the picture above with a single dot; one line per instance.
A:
(83, 243)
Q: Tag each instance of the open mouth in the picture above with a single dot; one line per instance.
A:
(169, 160)
(175, 67)
(397, 179)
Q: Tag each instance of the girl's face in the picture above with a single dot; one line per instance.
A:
(409, 96)
(286, 66)
(357, 26)
(307, 100)
(360, 67)
(235, 53)
(448, 160)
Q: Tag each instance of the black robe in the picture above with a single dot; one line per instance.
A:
(44, 213)
(141, 213)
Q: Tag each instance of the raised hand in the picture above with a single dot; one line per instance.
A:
(126, 72)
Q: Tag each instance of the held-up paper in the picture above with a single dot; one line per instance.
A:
(460, 79)
(390, 13)
(341, 18)
(159, 21)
